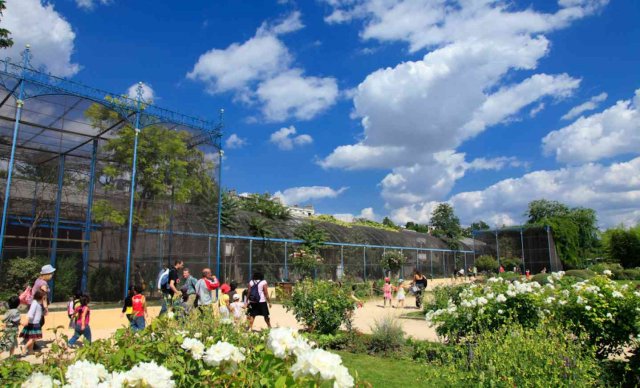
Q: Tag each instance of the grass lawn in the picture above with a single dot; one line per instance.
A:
(385, 371)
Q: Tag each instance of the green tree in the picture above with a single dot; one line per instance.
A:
(5, 35)
(622, 246)
(542, 209)
(446, 224)
(312, 235)
(417, 227)
(478, 225)
(264, 204)
(387, 222)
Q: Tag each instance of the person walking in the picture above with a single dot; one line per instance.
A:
(223, 302)
(127, 307)
(400, 294)
(419, 285)
(170, 287)
(258, 298)
(204, 286)
(138, 310)
(189, 289)
(82, 323)
(237, 308)
(42, 284)
(33, 330)
(387, 289)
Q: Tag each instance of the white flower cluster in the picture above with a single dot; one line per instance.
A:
(85, 374)
(323, 364)
(224, 354)
(194, 346)
(607, 272)
(284, 341)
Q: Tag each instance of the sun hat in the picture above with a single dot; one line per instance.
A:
(47, 269)
(386, 279)
(236, 297)
(225, 288)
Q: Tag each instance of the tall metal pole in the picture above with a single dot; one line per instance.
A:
(87, 225)
(497, 248)
(286, 268)
(26, 57)
(431, 262)
(473, 242)
(56, 221)
(342, 259)
(524, 267)
(364, 259)
(549, 244)
(209, 253)
(171, 208)
(219, 232)
(133, 187)
(251, 259)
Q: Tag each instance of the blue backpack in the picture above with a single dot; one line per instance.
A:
(254, 292)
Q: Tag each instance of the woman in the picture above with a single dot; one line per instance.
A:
(42, 284)
(419, 284)
(258, 299)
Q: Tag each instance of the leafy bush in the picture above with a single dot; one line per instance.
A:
(606, 313)
(434, 352)
(623, 246)
(510, 276)
(580, 273)
(387, 335)
(486, 263)
(392, 261)
(541, 278)
(106, 284)
(627, 274)
(537, 357)
(67, 277)
(304, 261)
(21, 272)
(509, 262)
(321, 306)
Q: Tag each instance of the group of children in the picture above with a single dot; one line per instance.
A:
(388, 289)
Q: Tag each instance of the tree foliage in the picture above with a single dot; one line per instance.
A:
(420, 228)
(264, 205)
(312, 235)
(5, 35)
(623, 246)
(475, 226)
(446, 224)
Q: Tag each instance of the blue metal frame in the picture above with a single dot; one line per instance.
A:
(56, 222)
(218, 231)
(87, 227)
(524, 266)
(286, 267)
(497, 249)
(133, 189)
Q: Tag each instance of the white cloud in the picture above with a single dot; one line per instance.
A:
(615, 131)
(286, 140)
(51, 37)
(537, 109)
(416, 114)
(290, 94)
(148, 95)
(259, 71)
(91, 4)
(300, 195)
(234, 141)
(592, 104)
(613, 191)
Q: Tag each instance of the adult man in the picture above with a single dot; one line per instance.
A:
(203, 289)
(189, 288)
(171, 289)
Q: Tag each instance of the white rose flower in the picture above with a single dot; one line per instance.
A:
(85, 374)
(114, 380)
(41, 381)
(197, 335)
(550, 300)
(580, 300)
(320, 363)
(609, 316)
(194, 346)
(150, 374)
(607, 272)
(284, 341)
(500, 312)
(224, 353)
(616, 294)
(501, 298)
(587, 307)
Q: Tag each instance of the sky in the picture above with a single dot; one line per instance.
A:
(374, 108)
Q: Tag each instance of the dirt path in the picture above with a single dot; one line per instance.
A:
(105, 322)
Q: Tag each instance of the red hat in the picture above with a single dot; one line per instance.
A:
(225, 288)
(386, 279)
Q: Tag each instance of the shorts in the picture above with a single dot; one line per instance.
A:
(261, 308)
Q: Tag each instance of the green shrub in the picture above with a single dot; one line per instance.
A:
(392, 261)
(321, 306)
(387, 335)
(67, 279)
(544, 356)
(510, 276)
(106, 284)
(487, 263)
(627, 274)
(509, 262)
(21, 272)
(580, 273)
(541, 278)
(601, 267)
(434, 352)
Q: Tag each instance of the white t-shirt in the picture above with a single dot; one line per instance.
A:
(237, 309)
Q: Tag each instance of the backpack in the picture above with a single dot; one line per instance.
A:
(254, 292)
(27, 296)
(163, 279)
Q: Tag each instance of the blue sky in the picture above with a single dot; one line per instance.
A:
(381, 107)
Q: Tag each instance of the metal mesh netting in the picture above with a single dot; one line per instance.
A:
(533, 246)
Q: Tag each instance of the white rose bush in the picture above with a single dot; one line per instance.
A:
(604, 312)
(199, 352)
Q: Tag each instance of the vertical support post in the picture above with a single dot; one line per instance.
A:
(209, 253)
(250, 259)
(286, 267)
(524, 266)
(497, 248)
(466, 269)
(35, 198)
(56, 222)
(364, 258)
(473, 243)
(549, 244)
(171, 207)
(431, 262)
(218, 231)
(402, 268)
(342, 259)
(134, 170)
(417, 253)
(14, 141)
(444, 266)
(87, 226)
(384, 250)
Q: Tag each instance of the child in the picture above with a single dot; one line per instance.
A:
(223, 301)
(11, 320)
(400, 295)
(33, 330)
(358, 303)
(138, 310)
(387, 289)
(82, 323)
(127, 308)
(73, 303)
(236, 307)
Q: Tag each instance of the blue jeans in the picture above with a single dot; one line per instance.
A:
(78, 332)
(138, 323)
